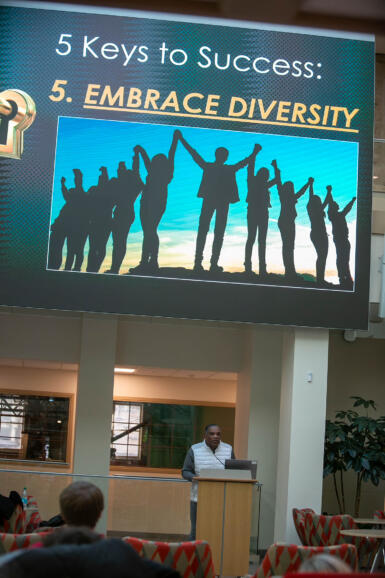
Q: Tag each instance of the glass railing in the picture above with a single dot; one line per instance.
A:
(149, 507)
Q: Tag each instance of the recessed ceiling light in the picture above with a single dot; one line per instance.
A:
(375, 177)
(124, 370)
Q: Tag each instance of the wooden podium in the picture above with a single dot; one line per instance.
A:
(224, 520)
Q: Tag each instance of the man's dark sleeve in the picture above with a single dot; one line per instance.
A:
(188, 470)
(156, 570)
(232, 454)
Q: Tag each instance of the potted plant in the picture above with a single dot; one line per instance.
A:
(355, 441)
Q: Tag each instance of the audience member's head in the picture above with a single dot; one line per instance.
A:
(71, 535)
(325, 564)
(81, 504)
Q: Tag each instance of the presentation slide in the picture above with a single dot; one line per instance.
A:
(183, 167)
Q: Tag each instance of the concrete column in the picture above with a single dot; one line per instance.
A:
(94, 402)
(301, 427)
(257, 416)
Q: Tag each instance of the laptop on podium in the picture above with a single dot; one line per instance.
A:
(250, 465)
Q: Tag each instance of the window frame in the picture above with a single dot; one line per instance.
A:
(125, 402)
(161, 471)
(70, 429)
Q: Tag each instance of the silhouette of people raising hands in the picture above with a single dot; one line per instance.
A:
(340, 237)
(100, 202)
(109, 207)
(258, 200)
(218, 189)
(160, 171)
(126, 189)
(71, 225)
(318, 235)
(286, 221)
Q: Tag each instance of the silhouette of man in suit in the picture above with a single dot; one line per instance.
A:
(218, 189)
(160, 171)
(318, 234)
(286, 220)
(258, 200)
(126, 189)
(341, 238)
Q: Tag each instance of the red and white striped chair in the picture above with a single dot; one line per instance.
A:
(326, 531)
(190, 559)
(283, 558)
(299, 522)
(12, 542)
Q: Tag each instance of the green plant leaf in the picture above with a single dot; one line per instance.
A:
(359, 400)
(365, 463)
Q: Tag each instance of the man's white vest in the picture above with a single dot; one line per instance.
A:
(205, 458)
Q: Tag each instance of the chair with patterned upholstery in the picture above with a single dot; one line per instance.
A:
(190, 559)
(326, 531)
(16, 523)
(11, 542)
(379, 514)
(32, 516)
(299, 522)
(283, 558)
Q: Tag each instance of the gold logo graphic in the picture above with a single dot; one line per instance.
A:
(17, 113)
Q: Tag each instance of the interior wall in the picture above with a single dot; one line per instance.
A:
(151, 342)
(161, 507)
(356, 368)
(145, 387)
(38, 379)
(181, 344)
(140, 387)
(264, 418)
(242, 410)
(40, 335)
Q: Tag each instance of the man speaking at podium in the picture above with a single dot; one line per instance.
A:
(211, 453)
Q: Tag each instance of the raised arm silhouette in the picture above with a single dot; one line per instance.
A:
(286, 221)
(79, 224)
(258, 203)
(318, 235)
(59, 231)
(160, 171)
(71, 225)
(341, 238)
(100, 203)
(126, 189)
(218, 189)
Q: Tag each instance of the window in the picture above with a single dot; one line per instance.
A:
(33, 427)
(158, 435)
(11, 425)
(126, 431)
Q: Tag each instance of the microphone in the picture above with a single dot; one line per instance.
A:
(216, 457)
